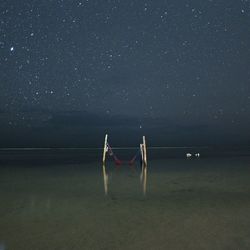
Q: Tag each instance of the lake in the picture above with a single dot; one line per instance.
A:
(48, 202)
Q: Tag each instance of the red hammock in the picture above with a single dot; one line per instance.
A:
(117, 161)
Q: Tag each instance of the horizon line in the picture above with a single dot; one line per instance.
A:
(97, 148)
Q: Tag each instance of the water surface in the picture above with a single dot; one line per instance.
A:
(190, 204)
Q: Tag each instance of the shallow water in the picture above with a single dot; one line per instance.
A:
(190, 204)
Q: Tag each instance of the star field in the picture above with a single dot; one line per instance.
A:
(183, 60)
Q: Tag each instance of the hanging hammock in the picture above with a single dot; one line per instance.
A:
(119, 162)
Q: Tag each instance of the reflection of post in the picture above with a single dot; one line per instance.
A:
(105, 179)
(104, 149)
(145, 180)
(145, 165)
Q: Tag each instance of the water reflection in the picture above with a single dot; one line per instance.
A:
(142, 177)
(105, 179)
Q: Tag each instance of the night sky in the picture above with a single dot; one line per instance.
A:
(176, 71)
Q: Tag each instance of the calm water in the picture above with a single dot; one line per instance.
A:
(50, 203)
(83, 155)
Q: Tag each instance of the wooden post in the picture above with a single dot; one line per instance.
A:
(142, 162)
(105, 149)
(145, 166)
(105, 176)
(144, 150)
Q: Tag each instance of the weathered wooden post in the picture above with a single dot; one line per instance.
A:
(144, 166)
(105, 176)
(142, 162)
(105, 149)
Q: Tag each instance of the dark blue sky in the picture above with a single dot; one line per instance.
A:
(142, 66)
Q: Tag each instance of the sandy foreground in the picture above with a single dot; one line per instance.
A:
(190, 204)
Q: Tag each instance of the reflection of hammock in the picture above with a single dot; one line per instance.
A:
(119, 162)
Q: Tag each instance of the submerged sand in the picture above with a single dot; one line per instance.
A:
(190, 204)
